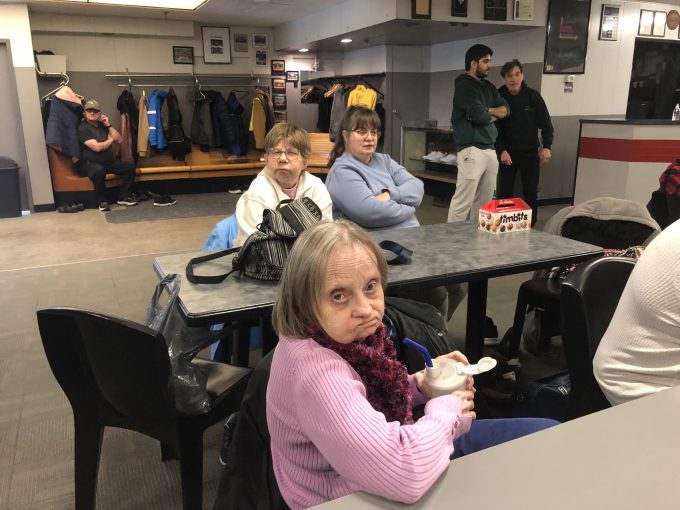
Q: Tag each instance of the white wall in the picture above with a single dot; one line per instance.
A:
(15, 29)
(118, 45)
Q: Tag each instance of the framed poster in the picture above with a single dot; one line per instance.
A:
(278, 66)
(459, 8)
(646, 22)
(292, 75)
(609, 22)
(496, 10)
(216, 45)
(278, 85)
(566, 41)
(523, 10)
(259, 40)
(261, 57)
(279, 101)
(421, 9)
(182, 55)
(240, 43)
(659, 25)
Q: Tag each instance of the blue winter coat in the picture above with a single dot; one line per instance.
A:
(156, 134)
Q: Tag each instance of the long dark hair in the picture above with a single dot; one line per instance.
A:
(355, 117)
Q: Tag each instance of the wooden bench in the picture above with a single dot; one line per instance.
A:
(70, 187)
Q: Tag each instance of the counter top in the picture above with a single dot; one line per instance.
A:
(632, 122)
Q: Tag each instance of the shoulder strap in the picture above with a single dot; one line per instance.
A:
(205, 258)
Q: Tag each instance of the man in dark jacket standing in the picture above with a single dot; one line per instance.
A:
(476, 107)
(517, 142)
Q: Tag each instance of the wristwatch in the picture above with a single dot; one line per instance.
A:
(108, 127)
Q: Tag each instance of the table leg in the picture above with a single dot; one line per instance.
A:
(476, 313)
(242, 343)
(269, 336)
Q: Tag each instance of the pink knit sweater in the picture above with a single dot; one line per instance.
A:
(327, 440)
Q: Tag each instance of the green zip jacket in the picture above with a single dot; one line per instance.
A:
(470, 117)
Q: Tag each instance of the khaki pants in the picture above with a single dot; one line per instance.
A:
(477, 171)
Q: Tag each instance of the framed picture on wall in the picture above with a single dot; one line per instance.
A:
(566, 41)
(523, 10)
(646, 22)
(182, 55)
(459, 8)
(278, 66)
(260, 40)
(216, 45)
(292, 75)
(240, 43)
(659, 25)
(421, 9)
(261, 58)
(278, 85)
(279, 101)
(496, 10)
(609, 22)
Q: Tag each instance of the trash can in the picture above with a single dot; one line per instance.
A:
(10, 196)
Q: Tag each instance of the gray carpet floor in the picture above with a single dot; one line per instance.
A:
(187, 206)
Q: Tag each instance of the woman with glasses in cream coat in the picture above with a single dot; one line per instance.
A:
(287, 150)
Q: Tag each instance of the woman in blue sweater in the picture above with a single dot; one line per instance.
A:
(366, 187)
(376, 192)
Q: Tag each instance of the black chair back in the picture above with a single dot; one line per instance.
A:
(589, 297)
(118, 366)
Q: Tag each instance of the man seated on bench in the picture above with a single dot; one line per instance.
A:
(96, 135)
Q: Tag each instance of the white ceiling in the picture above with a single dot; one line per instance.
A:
(250, 13)
(269, 13)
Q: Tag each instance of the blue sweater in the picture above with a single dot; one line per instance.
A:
(353, 186)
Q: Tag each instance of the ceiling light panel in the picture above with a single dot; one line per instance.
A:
(185, 5)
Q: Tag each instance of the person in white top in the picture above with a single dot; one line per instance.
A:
(287, 149)
(639, 353)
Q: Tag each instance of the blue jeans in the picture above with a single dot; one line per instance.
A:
(486, 433)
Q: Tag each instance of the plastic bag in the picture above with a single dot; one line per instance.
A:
(189, 381)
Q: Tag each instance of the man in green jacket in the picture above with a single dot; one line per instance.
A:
(476, 106)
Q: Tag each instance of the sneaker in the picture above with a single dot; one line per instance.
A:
(434, 156)
(104, 206)
(449, 159)
(139, 197)
(229, 427)
(490, 332)
(234, 191)
(129, 200)
(164, 201)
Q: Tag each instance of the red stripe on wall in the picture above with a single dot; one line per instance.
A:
(635, 151)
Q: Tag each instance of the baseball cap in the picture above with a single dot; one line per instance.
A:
(93, 105)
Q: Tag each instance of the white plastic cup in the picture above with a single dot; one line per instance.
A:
(444, 378)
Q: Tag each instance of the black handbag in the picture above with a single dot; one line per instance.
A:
(265, 252)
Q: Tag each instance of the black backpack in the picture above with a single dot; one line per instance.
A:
(420, 322)
(265, 252)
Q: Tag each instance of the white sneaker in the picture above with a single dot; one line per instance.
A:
(434, 156)
(449, 159)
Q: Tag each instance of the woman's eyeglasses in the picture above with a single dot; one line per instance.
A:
(291, 154)
(92, 110)
(365, 132)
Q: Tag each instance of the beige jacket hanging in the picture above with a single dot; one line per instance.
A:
(143, 128)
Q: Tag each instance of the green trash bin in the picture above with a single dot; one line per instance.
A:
(10, 196)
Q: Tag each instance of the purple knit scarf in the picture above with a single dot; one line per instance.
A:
(385, 377)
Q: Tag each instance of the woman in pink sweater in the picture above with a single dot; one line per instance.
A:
(339, 403)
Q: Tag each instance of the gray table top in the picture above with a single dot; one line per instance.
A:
(625, 457)
(442, 254)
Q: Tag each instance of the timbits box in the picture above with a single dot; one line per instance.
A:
(505, 215)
